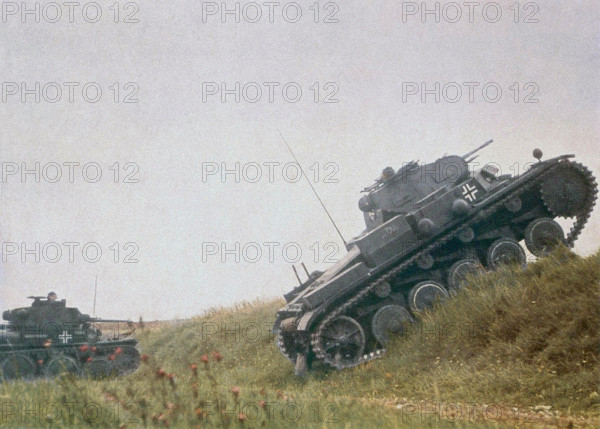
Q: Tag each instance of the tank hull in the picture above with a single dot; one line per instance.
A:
(423, 250)
(48, 338)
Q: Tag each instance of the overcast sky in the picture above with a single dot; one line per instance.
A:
(347, 94)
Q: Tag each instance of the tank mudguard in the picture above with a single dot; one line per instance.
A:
(335, 286)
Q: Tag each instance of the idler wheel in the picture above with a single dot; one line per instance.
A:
(460, 270)
(287, 344)
(127, 361)
(424, 294)
(505, 251)
(97, 368)
(17, 367)
(60, 365)
(389, 319)
(542, 235)
(343, 341)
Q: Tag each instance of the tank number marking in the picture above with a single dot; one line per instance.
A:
(65, 337)
(469, 192)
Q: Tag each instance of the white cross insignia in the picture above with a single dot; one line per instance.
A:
(65, 337)
(469, 192)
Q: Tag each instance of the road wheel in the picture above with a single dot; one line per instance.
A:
(424, 294)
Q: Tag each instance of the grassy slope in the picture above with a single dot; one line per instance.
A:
(511, 339)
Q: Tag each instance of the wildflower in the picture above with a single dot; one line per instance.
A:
(89, 359)
(40, 362)
(217, 356)
(145, 358)
(241, 417)
(160, 373)
(194, 368)
(262, 404)
(48, 343)
(84, 348)
(171, 378)
(118, 350)
(111, 357)
(235, 390)
(204, 358)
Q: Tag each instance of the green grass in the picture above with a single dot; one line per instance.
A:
(509, 342)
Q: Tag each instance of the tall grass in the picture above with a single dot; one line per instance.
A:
(507, 343)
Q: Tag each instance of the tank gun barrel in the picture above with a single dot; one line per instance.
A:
(487, 143)
(98, 319)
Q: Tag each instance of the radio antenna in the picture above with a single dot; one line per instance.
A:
(95, 290)
(312, 187)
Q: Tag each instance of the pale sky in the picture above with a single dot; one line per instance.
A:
(168, 60)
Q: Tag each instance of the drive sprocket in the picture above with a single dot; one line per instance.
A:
(570, 192)
(567, 191)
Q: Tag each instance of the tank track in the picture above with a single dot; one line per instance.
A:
(117, 363)
(353, 301)
(282, 348)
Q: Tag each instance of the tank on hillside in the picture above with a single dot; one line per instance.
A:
(428, 227)
(49, 338)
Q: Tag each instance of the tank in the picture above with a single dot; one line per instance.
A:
(49, 338)
(428, 227)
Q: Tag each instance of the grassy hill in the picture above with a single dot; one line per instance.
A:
(515, 347)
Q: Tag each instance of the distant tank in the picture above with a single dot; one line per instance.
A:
(428, 226)
(49, 338)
